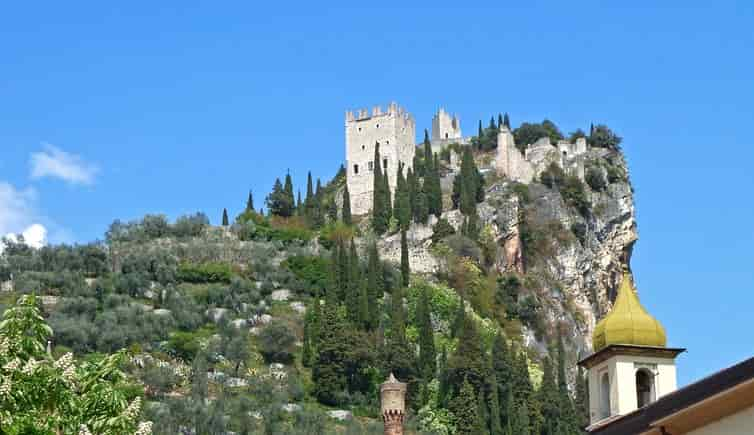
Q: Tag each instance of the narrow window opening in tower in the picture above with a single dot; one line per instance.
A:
(359, 128)
(644, 390)
(605, 396)
(384, 163)
(363, 147)
(387, 142)
(378, 125)
(446, 135)
(565, 154)
(356, 169)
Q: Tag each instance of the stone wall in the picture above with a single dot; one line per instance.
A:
(538, 156)
(395, 131)
(510, 163)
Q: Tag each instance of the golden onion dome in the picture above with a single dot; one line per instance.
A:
(628, 322)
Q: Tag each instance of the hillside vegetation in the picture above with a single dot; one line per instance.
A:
(287, 319)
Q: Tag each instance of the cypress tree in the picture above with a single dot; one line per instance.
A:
(309, 200)
(250, 202)
(330, 365)
(422, 208)
(468, 184)
(290, 200)
(465, 411)
(548, 399)
(499, 121)
(307, 354)
(353, 303)
(413, 190)
(427, 352)
(582, 400)
(405, 267)
(379, 218)
(373, 288)
(502, 367)
(225, 217)
(459, 319)
(480, 135)
(399, 353)
(468, 361)
(562, 381)
(436, 206)
(428, 161)
(346, 207)
(402, 208)
(522, 423)
(493, 397)
(388, 211)
(299, 205)
(318, 212)
(506, 121)
(483, 414)
(493, 127)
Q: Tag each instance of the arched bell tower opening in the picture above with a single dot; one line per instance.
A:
(605, 395)
(645, 389)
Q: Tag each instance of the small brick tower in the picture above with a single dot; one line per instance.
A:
(393, 405)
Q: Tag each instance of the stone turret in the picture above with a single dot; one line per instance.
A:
(393, 405)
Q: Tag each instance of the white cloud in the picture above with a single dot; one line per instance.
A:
(56, 163)
(35, 236)
(17, 216)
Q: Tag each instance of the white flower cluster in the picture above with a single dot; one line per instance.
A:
(133, 409)
(145, 428)
(83, 430)
(65, 364)
(5, 385)
(30, 367)
(12, 365)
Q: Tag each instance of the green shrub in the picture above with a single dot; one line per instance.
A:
(574, 194)
(595, 180)
(441, 230)
(204, 272)
(276, 342)
(553, 176)
(315, 271)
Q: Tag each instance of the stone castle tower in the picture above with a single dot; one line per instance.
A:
(395, 132)
(393, 405)
(446, 128)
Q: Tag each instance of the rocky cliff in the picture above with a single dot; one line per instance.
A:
(567, 258)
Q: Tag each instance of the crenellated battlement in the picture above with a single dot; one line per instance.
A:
(392, 110)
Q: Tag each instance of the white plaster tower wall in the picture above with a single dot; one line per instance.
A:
(446, 128)
(395, 131)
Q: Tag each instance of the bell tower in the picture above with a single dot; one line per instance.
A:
(631, 366)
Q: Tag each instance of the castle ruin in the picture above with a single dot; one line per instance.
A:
(446, 129)
(393, 405)
(526, 167)
(394, 130)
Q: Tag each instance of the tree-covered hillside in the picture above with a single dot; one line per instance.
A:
(286, 318)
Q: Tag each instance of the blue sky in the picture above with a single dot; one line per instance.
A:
(116, 111)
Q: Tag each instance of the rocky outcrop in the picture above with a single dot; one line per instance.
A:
(574, 260)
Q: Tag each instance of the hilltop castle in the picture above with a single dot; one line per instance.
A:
(394, 131)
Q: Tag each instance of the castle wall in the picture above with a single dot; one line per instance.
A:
(538, 156)
(509, 162)
(395, 131)
(446, 129)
